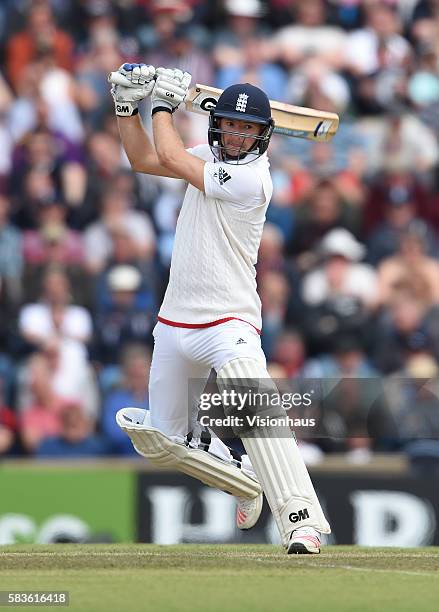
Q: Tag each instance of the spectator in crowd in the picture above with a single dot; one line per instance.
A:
(397, 185)
(423, 84)
(33, 188)
(400, 142)
(352, 411)
(177, 47)
(411, 267)
(340, 293)
(281, 211)
(274, 293)
(310, 35)
(7, 430)
(423, 27)
(347, 360)
(54, 245)
(40, 35)
(11, 260)
(54, 317)
(127, 316)
(243, 20)
(45, 163)
(76, 438)
(406, 327)
(289, 352)
(42, 417)
(166, 207)
(323, 210)
(341, 274)
(117, 213)
(270, 256)
(413, 397)
(99, 52)
(7, 337)
(380, 43)
(34, 108)
(61, 330)
(52, 233)
(254, 68)
(132, 390)
(71, 376)
(399, 213)
(6, 99)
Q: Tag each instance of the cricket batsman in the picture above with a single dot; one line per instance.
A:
(210, 317)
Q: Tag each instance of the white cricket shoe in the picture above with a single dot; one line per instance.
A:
(304, 541)
(248, 511)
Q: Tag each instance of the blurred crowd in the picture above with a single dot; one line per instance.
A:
(348, 270)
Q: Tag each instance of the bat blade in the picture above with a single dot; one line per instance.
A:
(295, 121)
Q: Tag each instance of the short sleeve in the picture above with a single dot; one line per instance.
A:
(34, 319)
(240, 185)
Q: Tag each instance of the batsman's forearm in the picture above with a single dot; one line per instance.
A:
(168, 143)
(138, 147)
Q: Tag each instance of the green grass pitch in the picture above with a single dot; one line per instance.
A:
(226, 578)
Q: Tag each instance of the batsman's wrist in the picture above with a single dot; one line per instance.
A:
(126, 109)
(158, 109)
(161, 105)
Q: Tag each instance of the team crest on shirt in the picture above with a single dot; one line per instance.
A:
(222, 176)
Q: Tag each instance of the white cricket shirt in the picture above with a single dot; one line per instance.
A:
(218, 233)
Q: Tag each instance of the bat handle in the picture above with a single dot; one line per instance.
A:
(119, 79)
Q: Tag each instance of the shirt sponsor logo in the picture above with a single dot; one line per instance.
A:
(222, 176)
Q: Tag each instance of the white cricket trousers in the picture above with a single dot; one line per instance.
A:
(181, 363)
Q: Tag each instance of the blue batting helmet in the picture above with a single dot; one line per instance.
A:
(243, 102)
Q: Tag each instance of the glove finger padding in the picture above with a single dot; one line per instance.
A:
(142, 73)
(178, 74)
(170, 88)
(169, 72)
(138, 74)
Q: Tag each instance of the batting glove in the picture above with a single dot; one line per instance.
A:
(126, 99)
(170, 89)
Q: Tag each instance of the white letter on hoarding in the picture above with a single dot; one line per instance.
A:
(170, 507)
(392, 518)
(16, 527)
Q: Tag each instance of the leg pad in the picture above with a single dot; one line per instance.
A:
(160, 450)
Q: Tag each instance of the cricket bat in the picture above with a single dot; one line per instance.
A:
(289, 120)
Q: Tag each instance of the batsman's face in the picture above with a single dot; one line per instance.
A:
(238, 135)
